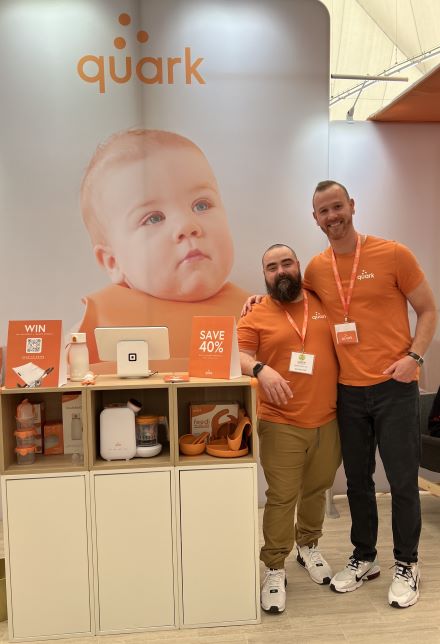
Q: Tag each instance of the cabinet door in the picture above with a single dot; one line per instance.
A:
(48, 554)
(134, 550)
(218, 545)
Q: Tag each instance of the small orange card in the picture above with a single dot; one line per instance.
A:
(214, 347)
(35, 354)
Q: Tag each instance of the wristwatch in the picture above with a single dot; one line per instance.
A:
(257, 368)
(416, 357)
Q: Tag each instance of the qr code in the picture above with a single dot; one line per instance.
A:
(34, 345)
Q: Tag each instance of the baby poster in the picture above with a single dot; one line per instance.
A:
(151, 152)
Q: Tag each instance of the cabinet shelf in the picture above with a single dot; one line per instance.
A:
(153, 394)
(161, 460)
(202, 390)
(51, 397)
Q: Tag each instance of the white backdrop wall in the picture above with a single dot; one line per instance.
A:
(392, 170)
(261, 118)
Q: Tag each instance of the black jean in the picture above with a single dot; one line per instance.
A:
(384, 415)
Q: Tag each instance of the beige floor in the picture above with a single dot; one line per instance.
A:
(315, 614)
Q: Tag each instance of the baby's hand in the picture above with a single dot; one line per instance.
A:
(247, 306)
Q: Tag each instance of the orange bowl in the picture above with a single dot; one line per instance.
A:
(188, 447)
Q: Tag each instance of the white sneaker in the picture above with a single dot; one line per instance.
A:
(312, 560)
(404, 590)
(354, 574)
(273, 591)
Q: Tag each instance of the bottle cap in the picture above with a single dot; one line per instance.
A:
(78, 337)
(134, 405)
(25, 433)
(24, 451)
(25, 411)
(146, 420)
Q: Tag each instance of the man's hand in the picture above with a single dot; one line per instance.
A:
(403, 370)
(275, 387)
(247, 306)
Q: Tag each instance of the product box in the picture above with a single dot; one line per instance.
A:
(71, 404)
(53, 437)
(39, 420)
(208, 417)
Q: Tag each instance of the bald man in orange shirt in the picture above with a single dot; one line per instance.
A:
(365, 284)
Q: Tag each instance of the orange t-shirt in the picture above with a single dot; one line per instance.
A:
(118, 305)
(387, 272)
(267, 332)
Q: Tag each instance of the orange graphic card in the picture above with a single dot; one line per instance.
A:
(214, 347)
(35, 354)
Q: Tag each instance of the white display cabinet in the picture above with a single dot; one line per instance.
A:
(129, 554)
(218, 545)
(134, 541)
(48, 555)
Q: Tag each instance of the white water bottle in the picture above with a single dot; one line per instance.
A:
(78, 357)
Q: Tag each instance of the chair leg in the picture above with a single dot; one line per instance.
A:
(330, 508)
(429, 486)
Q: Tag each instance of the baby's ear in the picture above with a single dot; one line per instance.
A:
(107, 261)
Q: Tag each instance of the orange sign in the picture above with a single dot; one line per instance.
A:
(214, 348)
(35, 354)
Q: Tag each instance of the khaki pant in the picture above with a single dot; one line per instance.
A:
(299, 465)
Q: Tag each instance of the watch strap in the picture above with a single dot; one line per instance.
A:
(416, 357)
(257, 368)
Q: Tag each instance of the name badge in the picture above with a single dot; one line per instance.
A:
(346, 333)
(302, 362)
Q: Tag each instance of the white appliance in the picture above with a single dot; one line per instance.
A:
(117, 433)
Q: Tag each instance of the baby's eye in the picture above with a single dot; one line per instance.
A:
(201, 206)
(153, 218)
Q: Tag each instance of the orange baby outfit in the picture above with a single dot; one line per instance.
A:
(386, 274)
(267, 332)
(118, 305)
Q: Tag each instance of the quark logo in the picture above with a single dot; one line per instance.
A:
(365, 276)
(151, 70)
(318, 316)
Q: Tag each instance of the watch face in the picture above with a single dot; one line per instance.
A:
(258, 367)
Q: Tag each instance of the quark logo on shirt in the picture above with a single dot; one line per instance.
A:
(365, 276)
(150, 70)
(319, 316)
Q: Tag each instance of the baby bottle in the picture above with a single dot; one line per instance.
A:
(25, 415)
(78, 357)
(25, 433)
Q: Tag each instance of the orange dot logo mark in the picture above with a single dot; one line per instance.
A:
(142, 36)
(124, 19)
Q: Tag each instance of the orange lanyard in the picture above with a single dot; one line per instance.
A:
(346, 300)
(302, 333)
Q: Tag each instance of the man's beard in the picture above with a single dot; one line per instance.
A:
(285, 288)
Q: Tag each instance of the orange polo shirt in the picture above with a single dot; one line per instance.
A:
(118, 305)
(267, 332)
(386, 274)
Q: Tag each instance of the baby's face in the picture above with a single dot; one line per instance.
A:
(166, 227)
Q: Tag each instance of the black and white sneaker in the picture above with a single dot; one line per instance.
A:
(273, 590)
(312, 560)
(404, 589)
(354, 574)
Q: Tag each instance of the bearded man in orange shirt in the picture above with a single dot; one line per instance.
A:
(286, 343)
